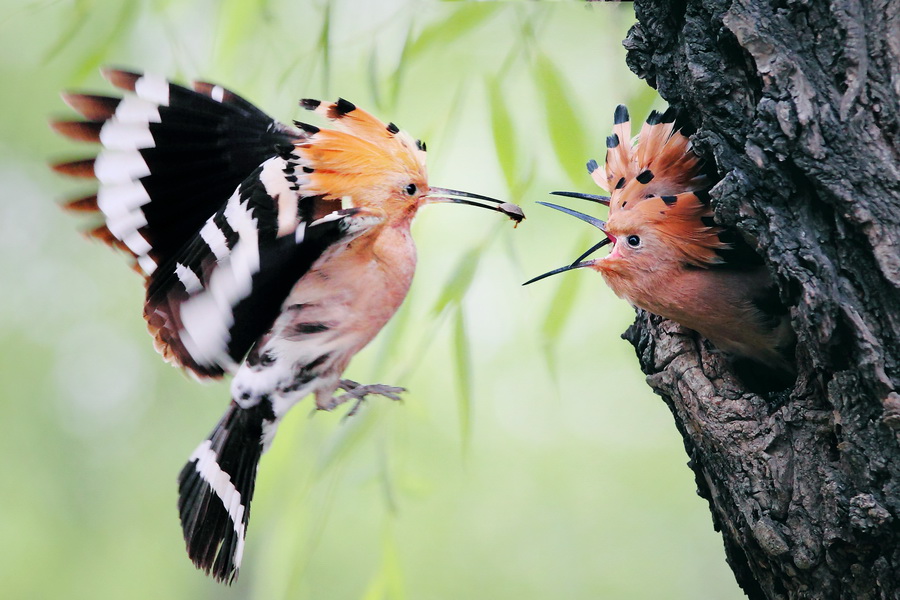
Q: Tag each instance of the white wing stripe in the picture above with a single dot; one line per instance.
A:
(153, 88)
(188, 279)
(121, 198)
(215, 239)
(136, 243)
(209, 470)
(137, 110)
(207, 317)
(124, 224)
(116, 135)
(114, 166)
(147, 264)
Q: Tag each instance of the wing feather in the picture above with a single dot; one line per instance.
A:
(211, 302)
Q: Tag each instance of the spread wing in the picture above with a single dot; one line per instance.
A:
(211, 302)
(208, 195)
(170, 158)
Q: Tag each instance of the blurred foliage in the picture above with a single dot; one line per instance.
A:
(528, 459)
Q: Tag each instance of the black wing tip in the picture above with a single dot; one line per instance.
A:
(621, 114)
(342, 107)
(310, 129)
(310, 103)
(392, 129)
(612, 141)
(592, 166)
(654, 118)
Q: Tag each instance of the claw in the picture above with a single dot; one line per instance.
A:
(358, 392)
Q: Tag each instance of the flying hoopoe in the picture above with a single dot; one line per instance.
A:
(270, 252)
(669, 257)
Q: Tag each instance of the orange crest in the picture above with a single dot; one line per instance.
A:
(362, 161)
(655, 181)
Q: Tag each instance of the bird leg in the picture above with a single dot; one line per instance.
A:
(358, 392)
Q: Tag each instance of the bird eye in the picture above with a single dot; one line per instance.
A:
(633, 241)
(411, 189)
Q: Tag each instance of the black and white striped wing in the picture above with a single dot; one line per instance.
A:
(171, 157)
(208, 305)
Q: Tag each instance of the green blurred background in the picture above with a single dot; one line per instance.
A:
(529, 459)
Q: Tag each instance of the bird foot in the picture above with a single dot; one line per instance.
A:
(358, 392)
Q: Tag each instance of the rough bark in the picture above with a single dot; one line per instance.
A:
(797, 104)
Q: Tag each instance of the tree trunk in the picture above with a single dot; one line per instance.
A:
(797, 104)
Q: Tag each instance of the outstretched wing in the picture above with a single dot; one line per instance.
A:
(211, 302)
(212, 199)
(171, 157)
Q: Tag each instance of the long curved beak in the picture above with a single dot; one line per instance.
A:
(580, 262)
(601, 225)
(438, 195)
(576, 265)
(604, 200)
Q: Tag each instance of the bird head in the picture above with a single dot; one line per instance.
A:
(365, 163)
(650, 235)
(659, 212)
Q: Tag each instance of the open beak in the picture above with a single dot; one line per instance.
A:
(438, 195)
(604, 200)
(601, 225)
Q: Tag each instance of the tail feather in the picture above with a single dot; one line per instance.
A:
(216, 487)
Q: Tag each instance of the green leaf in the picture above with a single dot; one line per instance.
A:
(559, 311)
(388, 581)
(237, 21)
(460, 281)
(560, 308)
(385, 479)
(325, 46)
(374, 78)
(80, 14)
(444, 32)
(462, 360)
(503, 128)
(352, 432)
(567, 134)
(399, 72)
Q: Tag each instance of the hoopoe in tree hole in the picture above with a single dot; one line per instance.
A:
(668, 255)
(270, 252)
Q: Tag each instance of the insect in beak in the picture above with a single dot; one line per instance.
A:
(509, 209)
(601, 225)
